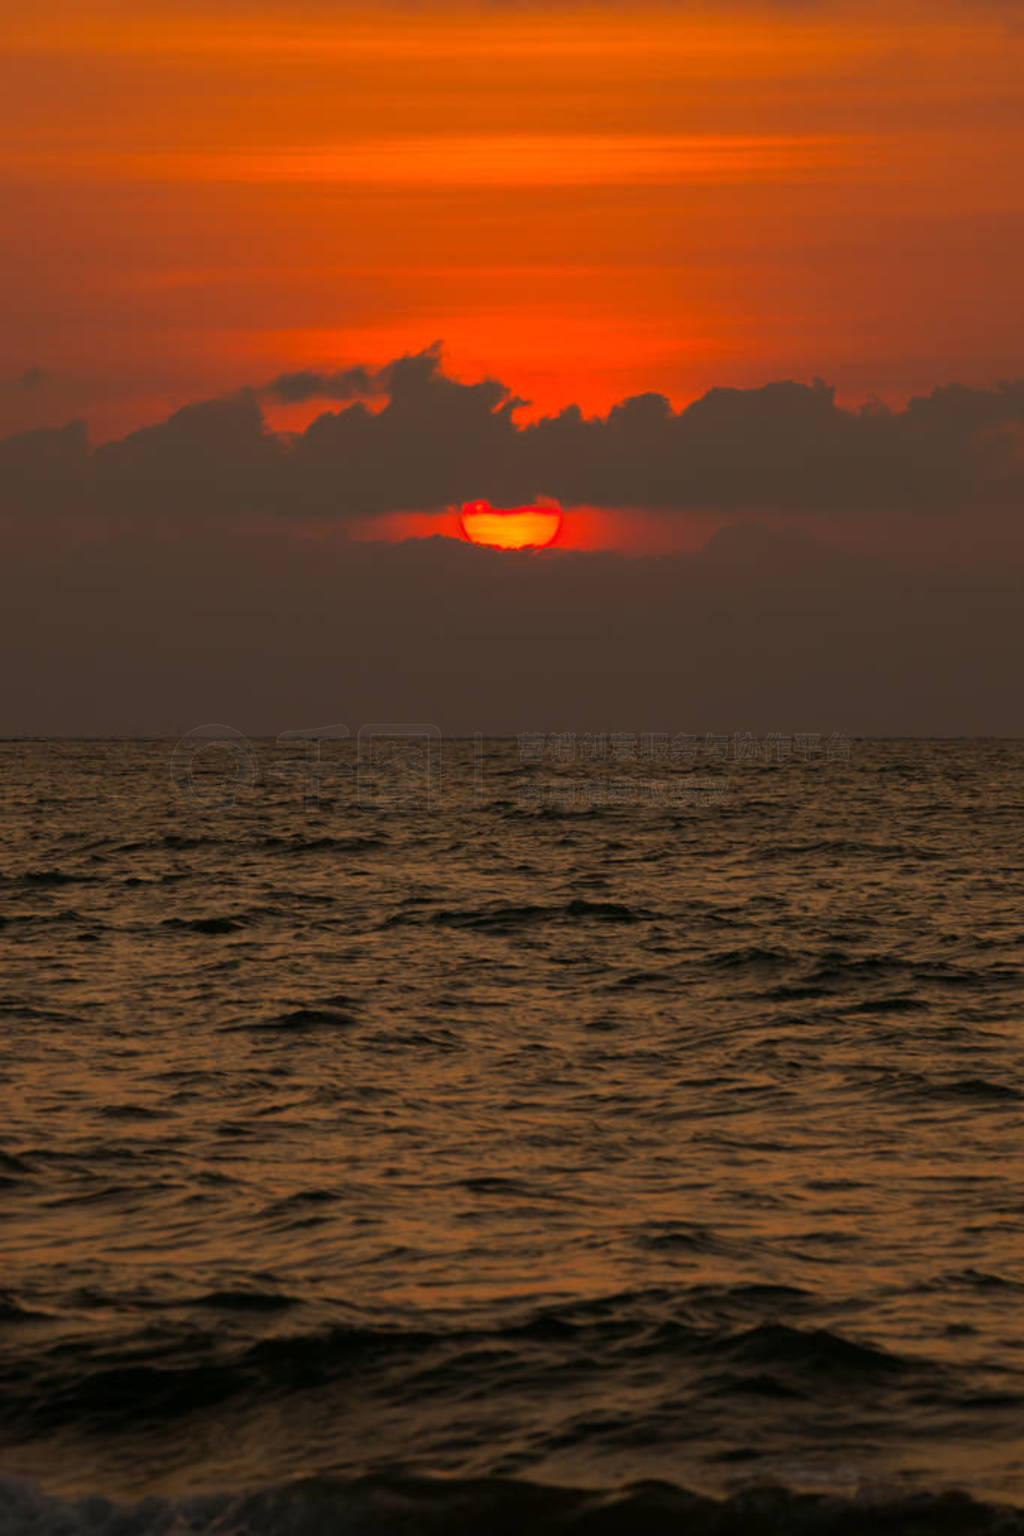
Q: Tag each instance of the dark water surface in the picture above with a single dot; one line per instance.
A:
(374, 1165)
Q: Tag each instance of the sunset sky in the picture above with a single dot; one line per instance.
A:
(583, 201)
(735, 286)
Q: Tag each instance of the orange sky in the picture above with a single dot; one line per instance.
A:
(585, 202)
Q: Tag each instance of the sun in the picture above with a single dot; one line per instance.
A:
(511, 527)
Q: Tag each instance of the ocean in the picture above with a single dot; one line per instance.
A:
(591, 1135)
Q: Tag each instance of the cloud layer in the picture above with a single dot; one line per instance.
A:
(410, 437)
(157, 631)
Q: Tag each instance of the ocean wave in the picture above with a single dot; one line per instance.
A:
(357, 843)
(332, 1013)
(49, 877)
(732, 1338)
(225, 922)
(504, 918)
(446, 1140)
(405, 1505)
(12, 1310)
(246, 1301)
(818, 1352)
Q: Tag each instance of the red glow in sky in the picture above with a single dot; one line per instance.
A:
(627, 529)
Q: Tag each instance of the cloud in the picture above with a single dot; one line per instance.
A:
(153, 630)
(177, 588)
(344, 384)
(32, 378)
(43, 457)
(436, 441)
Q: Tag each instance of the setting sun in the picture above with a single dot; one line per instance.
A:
(511, 527)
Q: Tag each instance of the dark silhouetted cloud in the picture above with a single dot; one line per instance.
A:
(436, 441)
(160, 580)
(32, 378)
(148, 629)
(343, 384)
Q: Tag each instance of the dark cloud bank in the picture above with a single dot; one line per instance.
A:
(169, 579)
(436, 441)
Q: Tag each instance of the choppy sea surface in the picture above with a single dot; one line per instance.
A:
(532, 1153)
